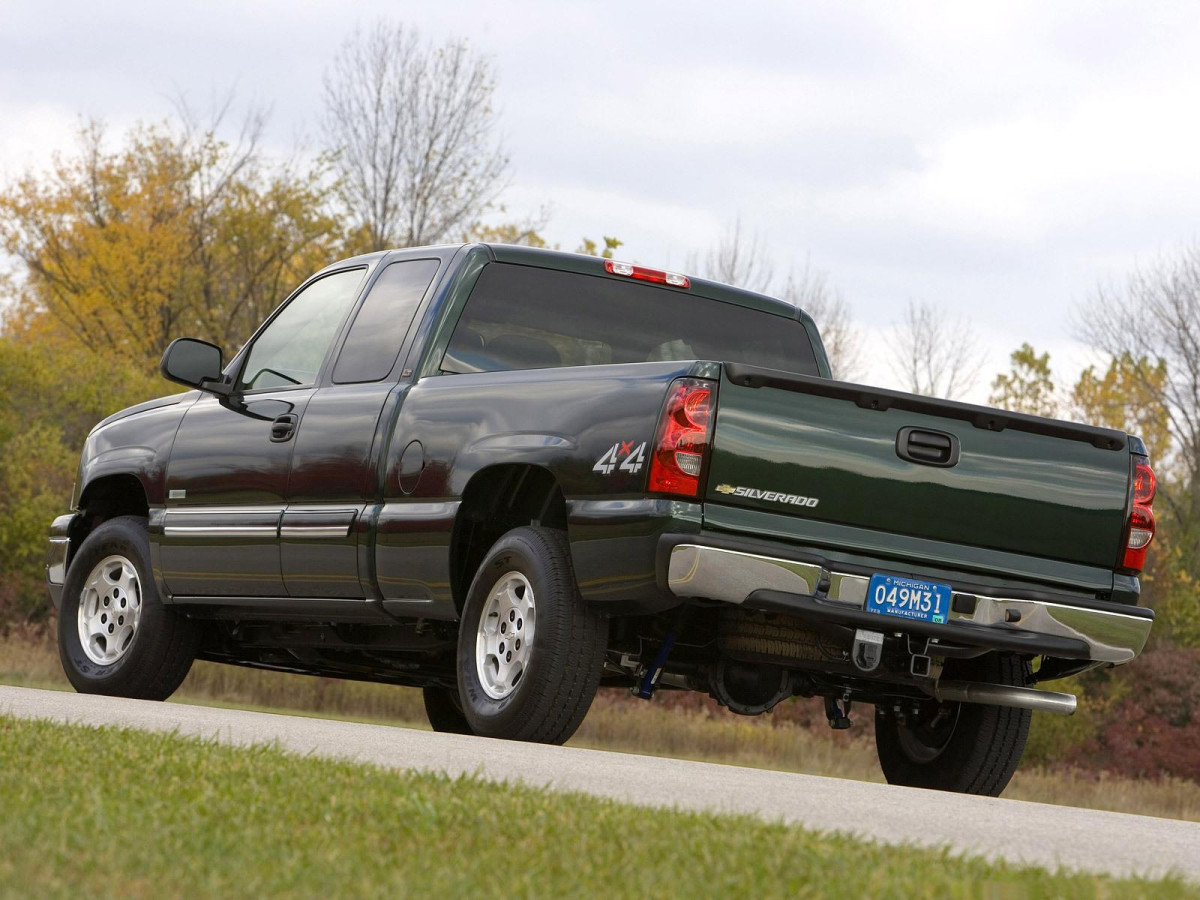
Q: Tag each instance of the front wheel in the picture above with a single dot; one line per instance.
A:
(530, 650)
(444, 711)
(964, 747)
(115, 636)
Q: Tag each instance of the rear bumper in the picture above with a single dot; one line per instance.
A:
(1102, 632)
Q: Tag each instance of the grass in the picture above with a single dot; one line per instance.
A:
(119, 813)
(617, 722)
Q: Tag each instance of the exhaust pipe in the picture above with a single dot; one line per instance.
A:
(1005, 695)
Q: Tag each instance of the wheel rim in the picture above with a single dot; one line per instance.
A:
(505, 637)
(110, 607)
(924, 739)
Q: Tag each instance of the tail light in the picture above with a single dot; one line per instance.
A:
(1140, 531)
(641, 273)
(681, 447)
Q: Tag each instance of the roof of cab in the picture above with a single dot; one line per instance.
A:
(594, 265)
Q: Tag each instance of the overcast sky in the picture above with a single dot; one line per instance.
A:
(997, 159)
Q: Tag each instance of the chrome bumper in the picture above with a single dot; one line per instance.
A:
(731, 576)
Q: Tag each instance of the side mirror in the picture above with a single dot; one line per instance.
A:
(194, 363)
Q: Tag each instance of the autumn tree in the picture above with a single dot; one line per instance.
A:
(933, 354)
(412, 127)
(1122, 396)
(1028, 386)
(175, 232)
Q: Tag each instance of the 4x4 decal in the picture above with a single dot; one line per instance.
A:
(611, 461)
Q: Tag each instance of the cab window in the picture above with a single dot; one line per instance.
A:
(289, 351)
(370, 350)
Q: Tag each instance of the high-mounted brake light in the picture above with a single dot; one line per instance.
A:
(629, 270)
(1140, 530)
(681, 447)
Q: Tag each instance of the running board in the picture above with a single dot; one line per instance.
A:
(1005, 695)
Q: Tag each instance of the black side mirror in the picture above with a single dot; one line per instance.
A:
(196, 364)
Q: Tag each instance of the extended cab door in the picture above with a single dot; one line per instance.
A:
(228, 472)
(334, 474)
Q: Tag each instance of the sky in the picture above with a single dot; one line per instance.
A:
(996, 159)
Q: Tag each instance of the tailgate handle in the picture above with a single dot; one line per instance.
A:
(928, 448)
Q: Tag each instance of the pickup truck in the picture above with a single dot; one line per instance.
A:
(509, 476)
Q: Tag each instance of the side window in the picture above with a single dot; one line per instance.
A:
(382, 321)
(290, 351)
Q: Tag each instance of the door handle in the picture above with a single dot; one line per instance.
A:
(283, 427)
(927, 448)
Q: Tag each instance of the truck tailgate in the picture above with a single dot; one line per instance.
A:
(893, 462)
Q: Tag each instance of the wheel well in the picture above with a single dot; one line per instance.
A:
(109, 497)
(496, 500)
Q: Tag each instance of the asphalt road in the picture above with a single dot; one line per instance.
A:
(1014, 830)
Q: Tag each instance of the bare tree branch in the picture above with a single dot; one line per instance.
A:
(810, 291)
(742, 259)
(412, 128)
(933, 355)
(739, 259)
(1155, 315)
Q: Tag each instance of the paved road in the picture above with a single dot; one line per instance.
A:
(1007, 829)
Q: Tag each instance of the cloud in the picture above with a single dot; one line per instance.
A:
(993, 157)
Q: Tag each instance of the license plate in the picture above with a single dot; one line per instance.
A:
(908, 598)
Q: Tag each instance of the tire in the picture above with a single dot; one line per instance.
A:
(973, 749)
(141, 649)
(444, 711)
(543, 692)
(769, 637)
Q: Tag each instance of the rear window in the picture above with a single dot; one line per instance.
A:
(522, 317)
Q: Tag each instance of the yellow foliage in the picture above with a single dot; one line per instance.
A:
(1028, 387)
(172, 234)
(1126, 397)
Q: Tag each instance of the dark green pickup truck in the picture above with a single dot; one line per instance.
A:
(509, 476)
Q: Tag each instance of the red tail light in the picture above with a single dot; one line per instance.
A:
(641, 273)
(1140, 531)
(681, 447)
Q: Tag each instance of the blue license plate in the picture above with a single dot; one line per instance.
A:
(908, 598)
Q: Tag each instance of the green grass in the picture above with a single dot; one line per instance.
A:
(110, 812)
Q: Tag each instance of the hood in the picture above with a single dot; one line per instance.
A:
(170, 400)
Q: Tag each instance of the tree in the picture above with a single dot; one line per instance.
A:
(933, 355)
(1028, 387)
(741, 259)
(592, 248)
(176, 232)
(411, 126)
(526, 235)
(1120, 399)
(1149, 325)
(811, 292)
(738, 259)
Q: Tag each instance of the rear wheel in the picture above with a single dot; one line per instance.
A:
(965, 747)
(115, 636)
(444, 711)
(530, 650)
